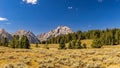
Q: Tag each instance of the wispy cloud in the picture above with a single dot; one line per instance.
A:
(70, 7)
(3, 19)
(30, 1)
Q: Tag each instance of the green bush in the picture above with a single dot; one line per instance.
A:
(97, 43)
(74, 44)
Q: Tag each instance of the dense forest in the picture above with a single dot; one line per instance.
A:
(108, 36)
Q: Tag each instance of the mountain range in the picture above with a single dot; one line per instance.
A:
(60, 30)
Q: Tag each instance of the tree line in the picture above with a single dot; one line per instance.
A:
(107, 37)
(15, 42)
(100, 37)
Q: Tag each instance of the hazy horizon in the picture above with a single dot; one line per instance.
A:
(40, 16)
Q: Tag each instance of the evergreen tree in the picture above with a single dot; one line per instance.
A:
(16, 39)
(78, 45)
(62, 44)
(73, 43)
(0, 43)
(36, 45)
(25, 42)
(12, 42)
(4, 41)
(70, 46)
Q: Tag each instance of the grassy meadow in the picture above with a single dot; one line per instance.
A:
(40, 57)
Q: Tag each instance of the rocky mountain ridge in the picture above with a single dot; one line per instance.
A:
(60, 30)
(31, 37)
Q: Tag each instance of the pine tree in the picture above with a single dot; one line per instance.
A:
(73, 43)
(12, 42)
(24, 42)
(4, 41)
(70, 46)
(27, 44)
(62, 44)
(0, 43)
(36, 45)
(78, 44)
(16, 38)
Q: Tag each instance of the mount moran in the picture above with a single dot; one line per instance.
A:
(60, 30)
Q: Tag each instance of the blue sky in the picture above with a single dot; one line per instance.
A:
(41, 16)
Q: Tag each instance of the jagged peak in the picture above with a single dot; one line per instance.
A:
(60, 30)
(23, 32)
(30, 35)
(4, 33)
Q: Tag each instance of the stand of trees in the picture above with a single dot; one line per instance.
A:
(108, 36)
(4, 42)
(74, 44)
(97, 43)
(16, 42)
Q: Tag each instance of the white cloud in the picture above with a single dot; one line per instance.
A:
(3, 19)
(70, 7)
(30, 1)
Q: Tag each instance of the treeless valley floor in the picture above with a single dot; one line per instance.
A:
(106, 57)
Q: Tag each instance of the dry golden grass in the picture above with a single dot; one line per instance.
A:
(43, 45)
(106, 57)
(88, 42)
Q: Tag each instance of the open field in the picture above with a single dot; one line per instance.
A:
(106, 57)
(88, 42)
